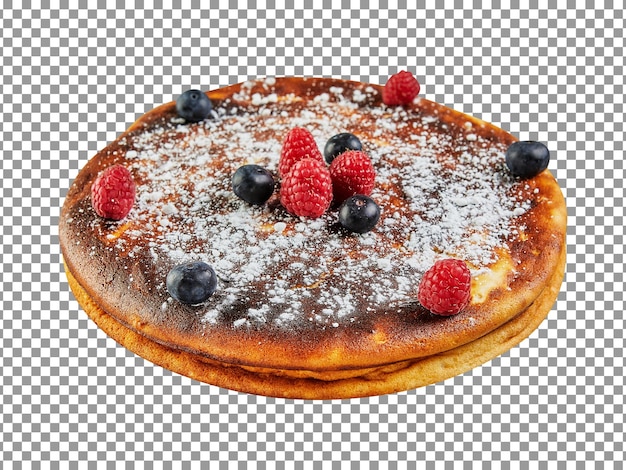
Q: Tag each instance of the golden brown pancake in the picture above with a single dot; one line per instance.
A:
(303, 309)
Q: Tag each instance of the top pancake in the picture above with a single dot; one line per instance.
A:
(299, 293)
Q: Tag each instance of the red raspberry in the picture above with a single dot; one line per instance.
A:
(113, 193)
(445, 287)
(298, 144)
(352, 173)
(400, 89)
(307, 190)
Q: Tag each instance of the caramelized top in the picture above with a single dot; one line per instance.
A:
(303, 293)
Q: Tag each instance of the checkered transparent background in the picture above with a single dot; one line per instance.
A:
(75, 76)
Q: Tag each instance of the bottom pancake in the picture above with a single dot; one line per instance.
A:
(387, 379)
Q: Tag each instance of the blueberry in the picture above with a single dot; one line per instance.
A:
(253, 183)
(193, 105)
(191, 283)
(359, 213)
(340, 143)
(527, 158)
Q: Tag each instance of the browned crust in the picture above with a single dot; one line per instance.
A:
(394, 378)
(391, 338)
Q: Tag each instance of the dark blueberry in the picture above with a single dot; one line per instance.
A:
(340, 143)
(193, 105)
(253, 183)
(359, 213)
(527, 158)
(191, 283)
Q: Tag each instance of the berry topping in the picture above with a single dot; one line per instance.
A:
(307, 189)
(400, 89)
(527, 158)
(113, 193)
(191, 283)
(359, 213)
(352, 173)
(445, 287)
(340, 143)
(253, 183)
(193, 105)
(298, 144)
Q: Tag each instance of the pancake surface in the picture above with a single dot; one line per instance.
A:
(300, 299)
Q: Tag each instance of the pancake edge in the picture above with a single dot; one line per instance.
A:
(393, 378)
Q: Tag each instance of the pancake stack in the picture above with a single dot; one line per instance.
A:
(303, 308)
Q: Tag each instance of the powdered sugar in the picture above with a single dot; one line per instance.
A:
(442, 194)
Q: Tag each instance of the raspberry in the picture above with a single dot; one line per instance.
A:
(352, 173)
(298, 144)
(445, 287)
(113, 193)
(400, 89)
(307, 189)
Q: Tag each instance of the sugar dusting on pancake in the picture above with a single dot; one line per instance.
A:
(444, 191)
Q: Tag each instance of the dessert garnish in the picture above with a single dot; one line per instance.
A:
(445, 287)
(352, 173)
(307, 189)
(253, 183)
(298, 144)
(526, 158)
(191, 283)
(340, 143)
(401, 89)
(113, 193)
(359, 213)
(193, 106)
